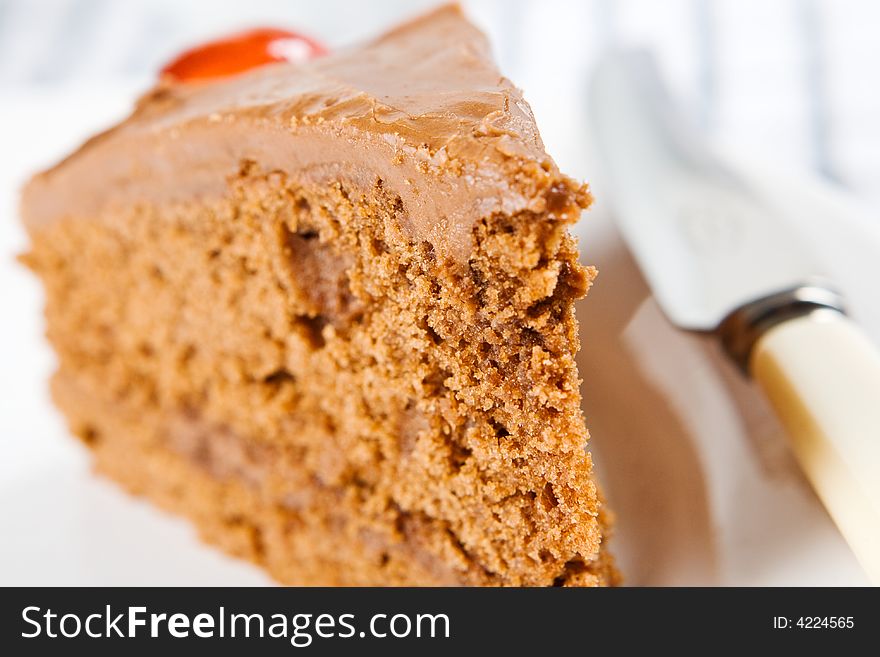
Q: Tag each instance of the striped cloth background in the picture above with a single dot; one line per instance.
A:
(790, 80)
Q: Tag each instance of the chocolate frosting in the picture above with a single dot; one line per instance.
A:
(423, 107)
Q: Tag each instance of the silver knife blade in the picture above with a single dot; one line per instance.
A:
(706, 240)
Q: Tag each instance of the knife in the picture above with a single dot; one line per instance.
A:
(723, 258)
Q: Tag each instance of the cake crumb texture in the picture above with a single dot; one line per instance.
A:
(323, 396)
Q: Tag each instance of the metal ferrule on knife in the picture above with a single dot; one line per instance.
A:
(742, 328)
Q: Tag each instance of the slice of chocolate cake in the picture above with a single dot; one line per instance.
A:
(326, 312)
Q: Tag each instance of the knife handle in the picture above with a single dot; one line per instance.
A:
(822, 376)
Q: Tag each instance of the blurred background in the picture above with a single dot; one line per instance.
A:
(690, 456)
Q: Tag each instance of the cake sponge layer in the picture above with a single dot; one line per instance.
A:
(328, 397)
(216, 481)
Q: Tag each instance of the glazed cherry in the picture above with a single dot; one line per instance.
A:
(241, 52)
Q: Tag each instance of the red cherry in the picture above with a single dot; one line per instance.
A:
(241, 52)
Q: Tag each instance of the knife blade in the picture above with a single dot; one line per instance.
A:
(722, 257)
(706, 240)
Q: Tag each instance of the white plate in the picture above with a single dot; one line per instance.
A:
(690, 457)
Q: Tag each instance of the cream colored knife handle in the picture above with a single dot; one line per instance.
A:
(822, 376)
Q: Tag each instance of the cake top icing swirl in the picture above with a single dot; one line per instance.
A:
(423, 106)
